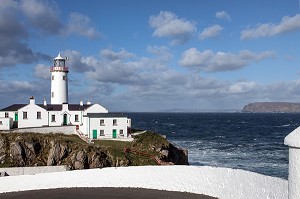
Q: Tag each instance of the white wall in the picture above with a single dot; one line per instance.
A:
(15, 171)
(59, 87)
(95, 108)
(6, 123)
(108, 127)
(223, 183)
(54, 129)
(32, 120)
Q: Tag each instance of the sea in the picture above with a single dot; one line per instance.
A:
(248, 141)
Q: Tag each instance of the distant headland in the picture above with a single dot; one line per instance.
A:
(272, 107)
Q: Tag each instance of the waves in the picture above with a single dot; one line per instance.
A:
(252, 142)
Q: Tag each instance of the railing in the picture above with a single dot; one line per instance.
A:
(59, 68)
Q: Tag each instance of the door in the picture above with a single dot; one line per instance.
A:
(114, 133)
(95, 134)
(16, 116)
(65, 122)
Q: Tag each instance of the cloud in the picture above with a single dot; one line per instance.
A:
(42, 71)
(13, 34)
(243, 87)
(111, 55)
(223, 15)
(79, 63)
(167, 24)
(42, 15)
(80, 24)
(220, 61)
(287, 24)
(210, 32)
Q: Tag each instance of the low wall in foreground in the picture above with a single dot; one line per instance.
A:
(15, 171)
(223, 183)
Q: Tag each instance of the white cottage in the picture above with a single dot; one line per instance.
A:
(92, 120)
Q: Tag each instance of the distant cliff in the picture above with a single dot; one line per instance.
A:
(272, 107)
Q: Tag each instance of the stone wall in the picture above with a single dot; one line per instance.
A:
(15, 171)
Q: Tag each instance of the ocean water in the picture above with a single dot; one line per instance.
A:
(252, 142)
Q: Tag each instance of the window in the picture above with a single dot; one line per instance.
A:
(52, 94)
(24, 115)
(1, 123)
(101, 132)
(121, 132)
(102, 123)
(6, 114)
(38, 115)
(115, 122)
(64, 77)
(52, 77)
(52, 118)
(76, 118)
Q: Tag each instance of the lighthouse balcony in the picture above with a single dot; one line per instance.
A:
(59, 68)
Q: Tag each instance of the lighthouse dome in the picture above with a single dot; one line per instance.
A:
(58, 57)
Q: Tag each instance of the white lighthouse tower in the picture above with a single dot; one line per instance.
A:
(59, 81)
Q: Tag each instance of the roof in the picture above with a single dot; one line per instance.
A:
(48, 107)
(99, 115)
(58, 57)
(13, 107)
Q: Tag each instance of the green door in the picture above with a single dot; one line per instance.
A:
(114, 133)
(94, 134)
(16, 116)
(65, 119)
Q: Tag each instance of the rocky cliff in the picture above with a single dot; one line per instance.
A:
(31, 149)
(272, 107)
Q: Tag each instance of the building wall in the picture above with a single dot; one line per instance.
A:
(11, 114)
(95, 108)
(59, 87)
(108, 127)
(6, 123)
(32, 120)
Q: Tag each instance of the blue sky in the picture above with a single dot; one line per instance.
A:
(208, 55)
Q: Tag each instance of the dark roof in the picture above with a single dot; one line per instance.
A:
(48, 107)
(13, 107)
(99, 115)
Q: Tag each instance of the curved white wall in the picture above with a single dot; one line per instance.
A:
(59, 87)
(223, 183)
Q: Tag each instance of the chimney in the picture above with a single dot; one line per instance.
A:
(88, 102)
(45, 103)
(31, 100)
(81, 103)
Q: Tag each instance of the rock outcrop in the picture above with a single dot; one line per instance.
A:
(272, 107)
(32, 149)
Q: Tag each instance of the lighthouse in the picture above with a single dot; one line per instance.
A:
(59, 80)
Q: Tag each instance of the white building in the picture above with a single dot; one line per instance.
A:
(92, 120)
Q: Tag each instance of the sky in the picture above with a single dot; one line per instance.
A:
(147, 56)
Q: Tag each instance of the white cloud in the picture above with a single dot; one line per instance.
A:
(42, 71)
(167, 24)
(287, 24)
(42, 15)
(243, 87)
(82, 25)
(111, 55)
(79, 63)
(220, 61)
(223, 15)
(210, 32)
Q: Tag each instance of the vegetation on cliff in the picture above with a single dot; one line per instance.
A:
(32, 149)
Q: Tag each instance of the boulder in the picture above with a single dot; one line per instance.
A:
(17, 154)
